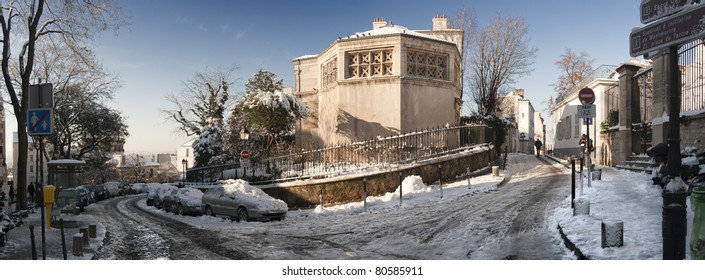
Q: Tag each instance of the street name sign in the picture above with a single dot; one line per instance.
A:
(39, 122)
(586, 111)
(680, 28)
(652, 10)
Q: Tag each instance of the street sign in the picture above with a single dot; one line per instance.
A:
(586, 111)
(674, 30)
(245, 154)
(587, 121)
(586, 96)
(652, 10)
(244, 163)
(41, 96)
(39, 122)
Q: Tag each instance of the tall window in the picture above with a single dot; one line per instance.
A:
(329, 72)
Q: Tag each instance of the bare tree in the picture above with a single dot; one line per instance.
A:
(498, 54)
(465, 20)
(574, 68)
(73, 21)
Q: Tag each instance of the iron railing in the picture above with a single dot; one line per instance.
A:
(372, 155)
(691, 58)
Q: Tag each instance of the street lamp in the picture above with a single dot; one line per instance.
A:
(184, 162)
(244, 134)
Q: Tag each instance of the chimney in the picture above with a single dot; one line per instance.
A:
(440, 22)
(379, 23)
(520, 92)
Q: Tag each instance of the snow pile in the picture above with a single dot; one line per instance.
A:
(190, 196)
(252, 195)
(279, 99)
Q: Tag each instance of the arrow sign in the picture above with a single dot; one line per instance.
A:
(39, 122)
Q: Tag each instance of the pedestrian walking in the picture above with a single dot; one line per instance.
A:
(12, 193)
(30, 191)
(538, 145)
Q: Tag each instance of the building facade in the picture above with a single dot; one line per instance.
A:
(529, 123)
(383, 81)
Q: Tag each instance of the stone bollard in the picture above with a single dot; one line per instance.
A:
(84, 232)
(612, 233)
(495, 171)
(92, 233)
(78, 244)
(597, 174)
(582, 206)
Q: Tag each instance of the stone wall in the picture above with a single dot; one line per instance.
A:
(329, 192)
(693, 131)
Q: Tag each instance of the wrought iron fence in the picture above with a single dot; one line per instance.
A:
(691, 58)
(371, 155)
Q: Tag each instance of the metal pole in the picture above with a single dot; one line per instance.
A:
(440, 180)
(63, 239)
(364, 193)
(673, 225)
(400, 188)
(468, 170)
(587, 152)
(572, 182)
(44, 244)
(31, 237)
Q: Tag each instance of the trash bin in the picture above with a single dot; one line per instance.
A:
(697, 236)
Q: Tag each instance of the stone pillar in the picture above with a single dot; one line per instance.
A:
(629, 102)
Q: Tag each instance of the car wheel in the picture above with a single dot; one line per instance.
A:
(242, 215)
(209, 211)
(179, 209)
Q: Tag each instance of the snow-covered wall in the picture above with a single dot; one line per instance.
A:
(304, 194)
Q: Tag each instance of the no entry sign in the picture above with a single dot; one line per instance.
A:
(586, 96)
(245, 154)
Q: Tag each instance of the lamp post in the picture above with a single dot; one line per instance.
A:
(184, 162)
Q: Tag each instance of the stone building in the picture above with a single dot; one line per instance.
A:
(383, 81)
(530, 124)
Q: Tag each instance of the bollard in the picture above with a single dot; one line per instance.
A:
(78, 244)
(612, 233)
(84, 232)
(697, 235)
(92, 232)
(597, 174)
(673, 225)
(495, 171)
(582, 206)
(572, 183)
(63, 239)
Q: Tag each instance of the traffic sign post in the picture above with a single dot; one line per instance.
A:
(669, 33)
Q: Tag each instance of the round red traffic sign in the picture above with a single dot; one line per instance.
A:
(245, 154)
(586, 96)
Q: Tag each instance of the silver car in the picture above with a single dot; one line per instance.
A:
(249, 205)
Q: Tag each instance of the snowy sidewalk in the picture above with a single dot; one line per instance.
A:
(622, 195)
(19, 240)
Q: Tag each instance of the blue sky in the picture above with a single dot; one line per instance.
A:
(170, 40)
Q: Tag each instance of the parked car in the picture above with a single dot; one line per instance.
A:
(88, 193)
(112, 189)
(242, 202)
(68, 201)
(160, 193)
(99, 192)
(183, 201)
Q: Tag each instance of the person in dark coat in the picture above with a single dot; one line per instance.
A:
(538, 145)
(12, 193)
(30, 191)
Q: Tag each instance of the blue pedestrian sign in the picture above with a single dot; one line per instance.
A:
(39, 122)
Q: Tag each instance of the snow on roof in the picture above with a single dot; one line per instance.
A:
(306, 56)
(254, 195)
(391, 30)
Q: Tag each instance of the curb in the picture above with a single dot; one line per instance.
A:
(570, 245)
